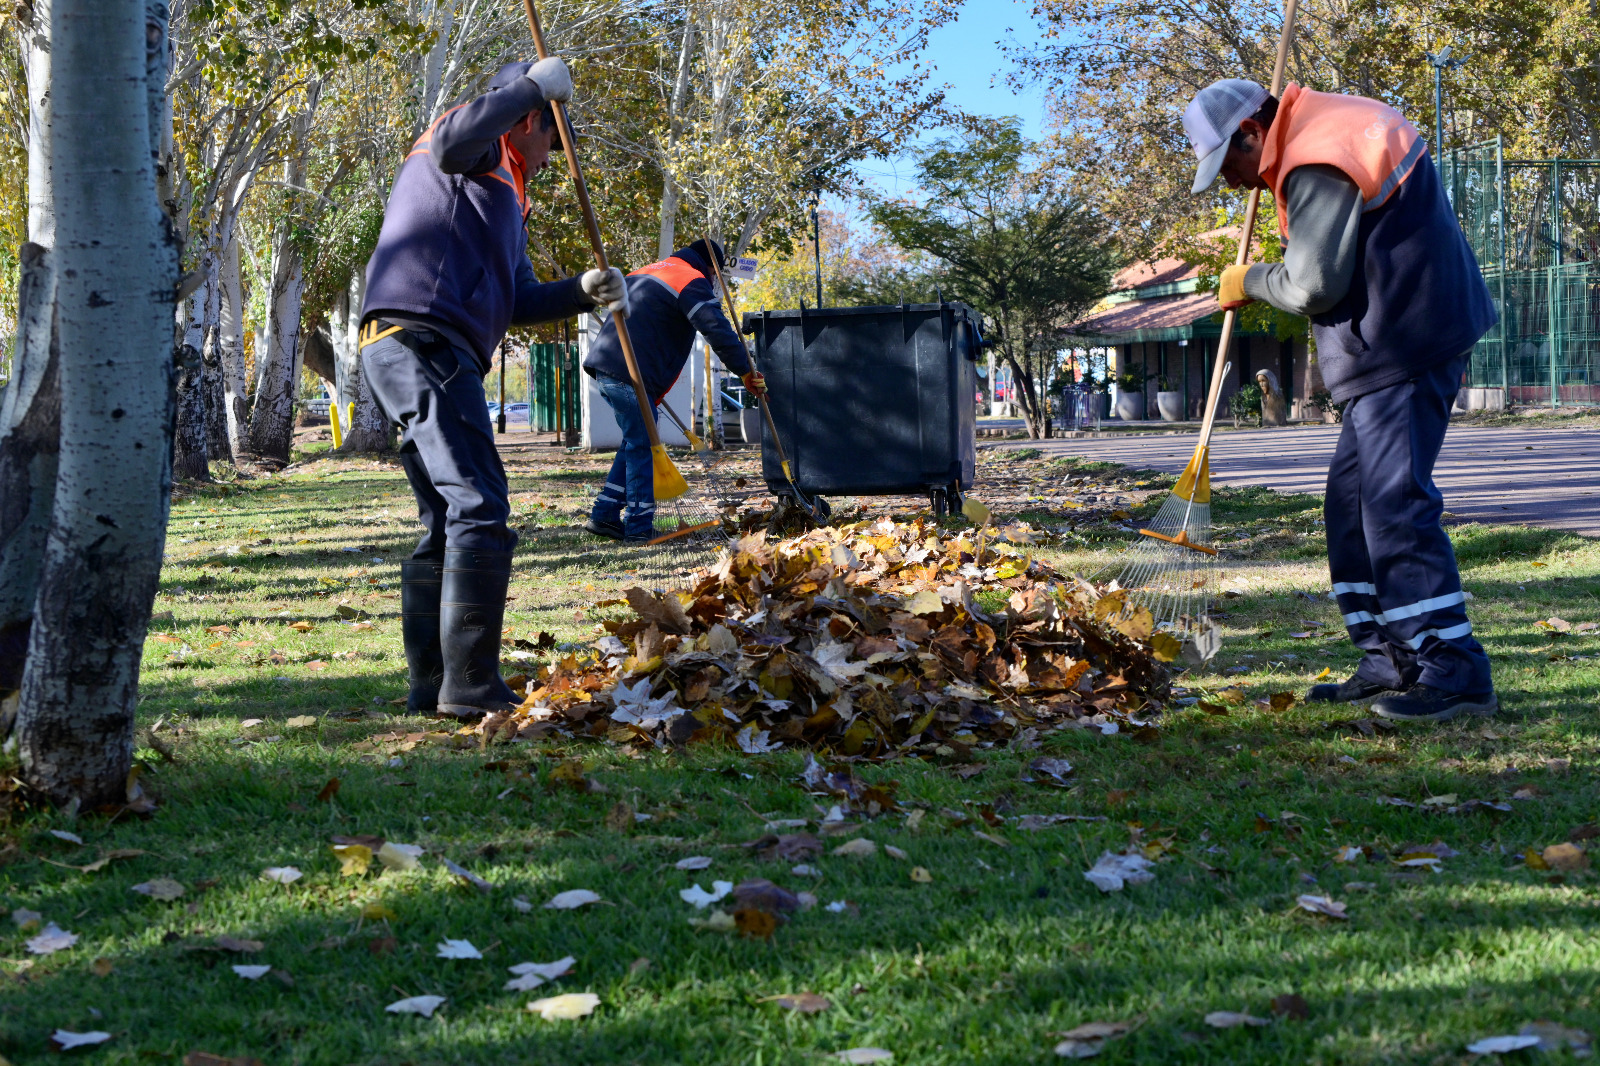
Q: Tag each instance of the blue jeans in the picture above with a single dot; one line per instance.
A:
(1393, 569)
(631, 482)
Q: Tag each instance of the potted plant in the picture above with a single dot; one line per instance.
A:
(1332, 413)
(1169, 401)
(1130, 394)
(1246, 403)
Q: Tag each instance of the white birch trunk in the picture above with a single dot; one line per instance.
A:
(232, 344)
(189, 426)
(667, 236)
(278, 365)
(31, 410)
(368, 430)
(118, 266)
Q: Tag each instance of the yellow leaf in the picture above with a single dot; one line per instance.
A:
(565, 1008)
(1165, 647)
(1138, 624)
(1326, 671)
(302, 721)
(353, 859)
(921, 876)
(377, 912)
(302, 626)
(976, 512)
(925, 602)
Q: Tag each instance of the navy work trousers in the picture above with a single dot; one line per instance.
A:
(1393, 570)
(631, 482)
(434, 393)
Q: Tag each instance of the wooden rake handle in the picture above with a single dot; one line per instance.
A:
(1230, 318)
(620, 316)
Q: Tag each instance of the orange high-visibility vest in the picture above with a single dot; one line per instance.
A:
(509, 169)
(1369, 141)
(674, 273)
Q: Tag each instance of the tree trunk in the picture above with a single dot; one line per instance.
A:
(30, 405)
(278, 367)
(189, 429)
(30, 444)
(211, 362)
(231, 336)
(368, 430)
(118, 266)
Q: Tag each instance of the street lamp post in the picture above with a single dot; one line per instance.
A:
(1440, 61)
(816, 240)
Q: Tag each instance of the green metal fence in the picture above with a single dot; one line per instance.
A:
(1535, 228)
(554, 402)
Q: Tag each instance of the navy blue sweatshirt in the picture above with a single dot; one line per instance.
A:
(453, 251)
(667, 307)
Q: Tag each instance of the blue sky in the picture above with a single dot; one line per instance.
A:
(968, 61)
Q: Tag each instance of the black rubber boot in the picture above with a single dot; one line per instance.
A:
(471, 612)
(420, 582)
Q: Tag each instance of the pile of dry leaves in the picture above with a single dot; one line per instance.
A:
(864, 639)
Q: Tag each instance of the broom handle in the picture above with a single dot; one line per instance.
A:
(619, 316)
(733, 317)
(1230, 318)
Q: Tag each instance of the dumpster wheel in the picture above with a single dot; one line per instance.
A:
(945, 500)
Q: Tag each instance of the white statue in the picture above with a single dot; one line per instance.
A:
(1274, 408)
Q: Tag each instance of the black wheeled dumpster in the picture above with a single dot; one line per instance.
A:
(871, 401)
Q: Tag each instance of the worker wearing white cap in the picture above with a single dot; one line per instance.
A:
(1374, 256)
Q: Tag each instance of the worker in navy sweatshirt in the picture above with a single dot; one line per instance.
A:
(668, 303)
(1374, 256)
(449, 275)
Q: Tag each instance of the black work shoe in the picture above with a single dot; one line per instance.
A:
(608, 530)
(1424, 703)
(472, 609)
(1358, 690)
(420, 582)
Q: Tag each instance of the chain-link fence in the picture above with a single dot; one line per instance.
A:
(1535, 228)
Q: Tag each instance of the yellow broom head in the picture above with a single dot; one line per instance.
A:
(669, 484)
(1195, 484)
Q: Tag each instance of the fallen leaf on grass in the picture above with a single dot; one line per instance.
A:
(66, 1040)
(1291, 1006)
(244, 947)
(377, 912)
(1566, 858)
(571, 899)
(693, 862)
(102, 967)
(1322, 905)
(921, 876)
(530, 975)
(162, 888)
(858, 1055)
(1348, 853)
(252, 973)
(302, 721)
(990, 838)
(399, 857)
(859, 848)
(703, 899)
(354, 859)
(718, 921)
(51, 940)
(895, 853)
(1496, 1045)
(70, 838)
(1087, 1040)
(24, 917)
(283, 875)
(382, 945)
(1113, 872)
(1553, 1036)
(423, 1005)
(1228, 1019)
(1054, 771)
(522, 906)
(330, 790)
(803, 1002)
(755, 923)
(457, 949)
(565, 1008)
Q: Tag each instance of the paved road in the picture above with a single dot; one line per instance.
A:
(1539, 477)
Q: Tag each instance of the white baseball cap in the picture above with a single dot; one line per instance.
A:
(1213, 117)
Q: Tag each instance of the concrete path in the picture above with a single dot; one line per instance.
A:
(1539, 477)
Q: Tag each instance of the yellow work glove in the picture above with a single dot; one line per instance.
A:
(1230, 290)
(755, 382)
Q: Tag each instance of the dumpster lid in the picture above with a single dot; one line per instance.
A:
(880, 310)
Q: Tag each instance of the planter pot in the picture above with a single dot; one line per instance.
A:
(1130, 406)
(750, 424)
(1171, 406)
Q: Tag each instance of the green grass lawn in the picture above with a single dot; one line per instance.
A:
(1008, 944)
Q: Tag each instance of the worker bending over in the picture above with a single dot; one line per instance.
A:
(668, 302)
(449, 275)
(1374, 256)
